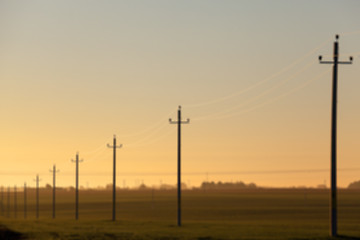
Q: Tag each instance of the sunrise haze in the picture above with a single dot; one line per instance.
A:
(246, 73)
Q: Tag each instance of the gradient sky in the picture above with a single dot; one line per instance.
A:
(73, 73)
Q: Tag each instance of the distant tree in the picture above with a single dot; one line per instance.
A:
(321, 186)
(354, 185)
(252, 185)
(143, 187)
(166, 187)
(241, 184)
(48, 186)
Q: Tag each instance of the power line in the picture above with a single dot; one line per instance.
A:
(354, 169)
(235, 94)
(148, 137)
(155, 126)
(150, 141)
(256, 97)
(269, 101)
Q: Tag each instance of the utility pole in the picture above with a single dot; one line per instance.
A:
(37, 195)
(76, 161)
(25, 202)
(15, 202)
(8, 202)
(179, 122)
(333, 194)
(54, 171)
(114, 176)
(2, 200)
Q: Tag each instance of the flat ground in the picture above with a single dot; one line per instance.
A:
(227, 214)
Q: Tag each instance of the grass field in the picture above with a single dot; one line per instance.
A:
(222, 214)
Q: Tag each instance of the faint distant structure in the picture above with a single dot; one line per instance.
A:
(114, 147)
(76, 161)
(37, 180)
(15, 202)
(322, 186)
(333, 197)
(54, 171)
(25, 201)
(179, 122)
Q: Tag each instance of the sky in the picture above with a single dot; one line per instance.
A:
(75, 73)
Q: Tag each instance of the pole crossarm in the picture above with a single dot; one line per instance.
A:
(336, 55)
(114, 146)
(37, 179)
(80, 161)
(339, 62)
(110, 146)
(181, 122)
(52, 171)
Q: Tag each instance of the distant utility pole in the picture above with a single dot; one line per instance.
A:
(25, 202)
(2, 200)
(37, 195)
(54, 171)
(333, 196)
(8, 202)
(76, 161)
(114, 176)
(15, 202)
(179, 122)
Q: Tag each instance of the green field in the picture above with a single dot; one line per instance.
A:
(221, 214)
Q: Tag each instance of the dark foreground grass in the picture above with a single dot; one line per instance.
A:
(71, 230)
(207, 215)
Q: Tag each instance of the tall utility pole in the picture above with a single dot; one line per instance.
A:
(54, 171)
(37, 195)
(25, 202)
(8, 202)
(76, 161)
(15, 202)
(114, 176)
(333, 194)
(179, 122)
